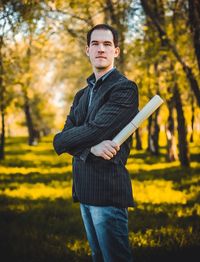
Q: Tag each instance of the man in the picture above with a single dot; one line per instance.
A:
(101, 182)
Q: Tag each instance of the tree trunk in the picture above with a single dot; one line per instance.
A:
(33, 133)
(156, 131)
(182, 131)
(153, 133)
(156, 127)
(138, 139)
(170, 133)
(153, 127)
(194, 20)
(192, 122)
(150, 146)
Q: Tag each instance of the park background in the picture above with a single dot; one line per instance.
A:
(42, 65)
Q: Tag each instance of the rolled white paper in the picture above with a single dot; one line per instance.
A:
(146, 111)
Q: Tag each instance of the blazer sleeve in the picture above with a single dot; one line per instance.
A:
(69, 124)
(117, 112)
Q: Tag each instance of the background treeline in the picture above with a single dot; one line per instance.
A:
(43, 64)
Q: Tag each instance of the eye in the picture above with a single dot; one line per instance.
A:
(107, 44)
(94, 43)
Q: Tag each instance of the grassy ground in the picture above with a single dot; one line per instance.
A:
(39, 222)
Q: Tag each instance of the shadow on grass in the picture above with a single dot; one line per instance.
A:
(19, 151)
(148, 216)
(168, 173)
(157, 254)
(150, 158)
(17, 162)
(42, 231)
(35, 177)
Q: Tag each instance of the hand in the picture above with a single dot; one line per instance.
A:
(106, 149)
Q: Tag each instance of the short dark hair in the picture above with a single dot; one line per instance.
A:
(104, 27)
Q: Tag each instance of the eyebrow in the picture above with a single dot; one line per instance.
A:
(105, 42)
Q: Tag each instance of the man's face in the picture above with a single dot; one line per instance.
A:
(102, 50)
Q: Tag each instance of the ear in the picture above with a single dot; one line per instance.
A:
(117, 52)
(87, 50)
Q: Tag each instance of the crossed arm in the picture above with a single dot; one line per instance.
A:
(95, 136)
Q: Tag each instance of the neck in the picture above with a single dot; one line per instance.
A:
(99, 72)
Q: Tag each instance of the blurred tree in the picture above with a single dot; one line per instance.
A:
(6, 26)
(29, 33)
(138, 139)
(157, 8)
(192, 119)
(172, 154)
(152, 13)
(157, 66)
(182, 130)
(34, 96)
(25, 85)
(149, 59)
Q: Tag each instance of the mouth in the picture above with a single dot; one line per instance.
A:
(101, 57)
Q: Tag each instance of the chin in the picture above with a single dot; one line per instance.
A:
(101, 66)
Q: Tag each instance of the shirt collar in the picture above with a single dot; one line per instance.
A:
(91, 80)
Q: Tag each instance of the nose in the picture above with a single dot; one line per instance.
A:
(101, 48)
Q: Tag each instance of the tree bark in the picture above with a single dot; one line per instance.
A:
(182, 131)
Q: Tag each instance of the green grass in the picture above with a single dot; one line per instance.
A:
(40, 223)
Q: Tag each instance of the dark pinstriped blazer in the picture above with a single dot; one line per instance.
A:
(97, 181)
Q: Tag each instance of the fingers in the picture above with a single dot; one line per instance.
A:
(112, 146)
(106, 154)
(106, 149)
(106, 157)
(109, 153)
(110, 149)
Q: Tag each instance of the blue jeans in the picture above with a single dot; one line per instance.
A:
(107, 232)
